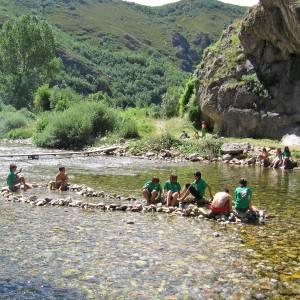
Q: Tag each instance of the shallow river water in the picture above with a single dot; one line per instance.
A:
(66, 253)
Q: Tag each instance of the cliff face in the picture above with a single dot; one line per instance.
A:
(249, 81)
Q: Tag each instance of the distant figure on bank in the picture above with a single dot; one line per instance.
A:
(61, 181)
(172, 190)
(184, 135)
(277, 162)
(203, 130)
(221, 205)
(264, 158)
(15, 180)
(197, 190)
(196, 135)
(243, 197)
(286, 156)
(152, 191)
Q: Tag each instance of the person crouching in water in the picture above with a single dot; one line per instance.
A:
(277, 162)
(197, 190)
(221, 205)
(152, 191)
(61, 181)
(243, 198)
(15, 180)
(286, 156)
(172, 190)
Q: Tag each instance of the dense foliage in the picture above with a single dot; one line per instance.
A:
(80, 125)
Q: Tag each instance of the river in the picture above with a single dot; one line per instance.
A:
(68, 253)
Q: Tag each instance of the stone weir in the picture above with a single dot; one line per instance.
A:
(133, 205)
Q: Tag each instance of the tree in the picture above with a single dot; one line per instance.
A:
(170, 102)
(27, 59)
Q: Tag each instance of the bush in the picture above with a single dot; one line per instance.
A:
(61, 99)
(10, 121)
(209, 147)
(42, 98)
(75, 127)
(128, 129)
(170, 103)
(194, 112)
(19, 133)
(163, 142)
(186, 95)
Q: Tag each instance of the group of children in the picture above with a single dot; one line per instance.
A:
(15, 180)
(282, 159)
(196, 135)
(173, 195)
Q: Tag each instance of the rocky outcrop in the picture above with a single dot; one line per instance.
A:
(249, 81)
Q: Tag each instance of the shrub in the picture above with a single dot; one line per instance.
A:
(194, 112)
(209, 147)
(127, 129)
(42, 98)
(20, 133)
(75, 127)
(10, 121)
(186, 95)
(170, 103)
(61, 99)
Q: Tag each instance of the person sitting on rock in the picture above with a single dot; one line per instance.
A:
(61, 181)
(172, 190)
(15, 180)
(203, 130)
(264, 158)
(277, 162)
(243, 197)
(197, 190)
(152, 191)
(221, 205)
(184, 135)
(286, 156)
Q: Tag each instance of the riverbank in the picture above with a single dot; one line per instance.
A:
(237, 152)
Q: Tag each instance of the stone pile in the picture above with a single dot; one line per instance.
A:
(235, 153)
(189, 210)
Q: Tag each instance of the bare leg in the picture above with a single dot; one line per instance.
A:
(169, 198)
(146, 196)
(174, 200)
(153, 196)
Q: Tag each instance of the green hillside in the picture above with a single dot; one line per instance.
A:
(131, 52)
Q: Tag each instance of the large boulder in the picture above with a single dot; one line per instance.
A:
(249, 81)
(235, 148)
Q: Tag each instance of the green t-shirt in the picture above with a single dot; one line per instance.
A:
(172, 186)
(11, 179)
(242, 198)
(203, 132)
(286, 154)
(150, 186)
(200, 186)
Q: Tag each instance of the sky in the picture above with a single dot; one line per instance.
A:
(161, 2)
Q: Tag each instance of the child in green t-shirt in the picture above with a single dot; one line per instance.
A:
(243, 197)
(172, 190)
(152, 191)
